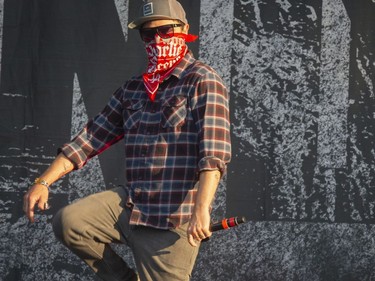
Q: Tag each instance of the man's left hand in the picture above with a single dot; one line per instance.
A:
(199, 226)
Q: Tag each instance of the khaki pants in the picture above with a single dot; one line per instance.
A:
(87, 227)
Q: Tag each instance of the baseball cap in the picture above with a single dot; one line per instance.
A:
(159, 10)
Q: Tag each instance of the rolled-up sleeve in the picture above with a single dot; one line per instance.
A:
(99, 134)
(210, 108)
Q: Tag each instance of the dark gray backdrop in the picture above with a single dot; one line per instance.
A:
(301, 79)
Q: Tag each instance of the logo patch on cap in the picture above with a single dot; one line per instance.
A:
(148, 9)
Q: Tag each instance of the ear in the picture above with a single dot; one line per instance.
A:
(186, 28)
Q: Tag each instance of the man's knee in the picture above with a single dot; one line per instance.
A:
(64, 226)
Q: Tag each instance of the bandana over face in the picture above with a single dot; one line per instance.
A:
(163, 57)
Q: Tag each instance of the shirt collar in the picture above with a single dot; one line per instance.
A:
(187, 60)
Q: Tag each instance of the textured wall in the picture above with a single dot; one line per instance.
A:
(301, 76)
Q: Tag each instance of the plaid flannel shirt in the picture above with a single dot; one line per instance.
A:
(167, 142)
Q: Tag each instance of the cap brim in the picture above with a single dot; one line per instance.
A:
(139, 22)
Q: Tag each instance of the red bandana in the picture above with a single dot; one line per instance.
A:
(163, 57)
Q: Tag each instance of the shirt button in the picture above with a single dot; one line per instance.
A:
(137, 192)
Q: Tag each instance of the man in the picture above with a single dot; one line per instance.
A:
(174, 120)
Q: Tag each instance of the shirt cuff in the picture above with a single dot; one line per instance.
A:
(75, 154)
(211, 163)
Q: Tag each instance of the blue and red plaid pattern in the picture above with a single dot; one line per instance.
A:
(167, 142)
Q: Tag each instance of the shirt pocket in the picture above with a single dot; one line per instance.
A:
(132, 113)
(174, 112)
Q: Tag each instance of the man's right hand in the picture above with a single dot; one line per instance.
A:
(37, 195)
